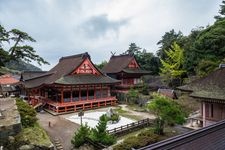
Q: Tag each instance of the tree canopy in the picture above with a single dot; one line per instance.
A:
(18, 49)
(167, 40)
(221, 12)
(147, 60)
(167, 112)
(172, 66)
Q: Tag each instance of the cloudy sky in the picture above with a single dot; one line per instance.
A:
(67, 27)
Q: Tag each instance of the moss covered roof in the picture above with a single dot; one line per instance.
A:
(211, 86)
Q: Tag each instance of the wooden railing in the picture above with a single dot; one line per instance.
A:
(96, 145)
(130, 127)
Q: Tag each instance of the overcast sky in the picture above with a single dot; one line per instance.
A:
(68, 27)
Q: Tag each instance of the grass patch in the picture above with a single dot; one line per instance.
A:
(136, 107)
(131, 116)
(120, 111)
(126, 114)
(34, 135)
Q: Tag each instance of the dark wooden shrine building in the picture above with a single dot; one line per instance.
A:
(126, 69)
(210, 92)
(73, 84)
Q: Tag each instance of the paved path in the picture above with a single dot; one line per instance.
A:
(61, 128)
(142, 115)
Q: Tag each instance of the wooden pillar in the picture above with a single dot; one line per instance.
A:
(79, 93)
(62, 90)
(87, 94)
(75, 109)
(95, 92)
(71, 94)
(203, 114)
(101, 91)
(109, 92)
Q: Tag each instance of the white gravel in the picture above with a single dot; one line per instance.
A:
(92, 119)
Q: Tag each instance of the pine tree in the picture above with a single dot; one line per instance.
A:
(81, 135)
(99, 133)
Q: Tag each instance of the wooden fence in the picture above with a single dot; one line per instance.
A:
(96, 145)
(130, 127)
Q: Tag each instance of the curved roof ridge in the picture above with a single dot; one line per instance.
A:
(75, 56)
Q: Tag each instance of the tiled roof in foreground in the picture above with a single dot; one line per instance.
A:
(208, 138)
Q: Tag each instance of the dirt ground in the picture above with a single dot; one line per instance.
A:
(60, 128)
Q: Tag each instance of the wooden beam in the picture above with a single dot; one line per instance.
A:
(79, 93)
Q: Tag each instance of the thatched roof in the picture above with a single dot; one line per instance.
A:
(212, 86)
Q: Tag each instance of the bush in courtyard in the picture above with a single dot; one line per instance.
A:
(27, 113)
(80, 136)
(167, 111)
(115, 117)
(132, 96)
(99, 133)
(142, 139)
(144, 89)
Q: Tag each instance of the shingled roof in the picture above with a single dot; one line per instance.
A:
(61, 73)
(207, 138)
(30, 74)
(120, 63)
(211, 86)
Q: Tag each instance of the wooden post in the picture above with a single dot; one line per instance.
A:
(62, 90)
(71, 94)
(94, 92)
(75, 109)
(87, 94)
(79, 93)
(101, 91)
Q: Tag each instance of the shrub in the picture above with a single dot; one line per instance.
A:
(99, 133)
(115, 117)
(80, 136)
(142, 139)
(167, 112)
(27, 113)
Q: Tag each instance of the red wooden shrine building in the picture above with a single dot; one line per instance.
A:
(73, 84)
(126, 69)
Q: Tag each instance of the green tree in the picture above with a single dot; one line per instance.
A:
(148, 61)
(132, 96)
(80, 136)
(167, 40)
(172, 67)
(188, 46)
(133, 49)
(205, 67)
(208, 46)
(167, 112)
(221, 12)
(99, 133)
(27, 113)
(101, 65)
(18, 49)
